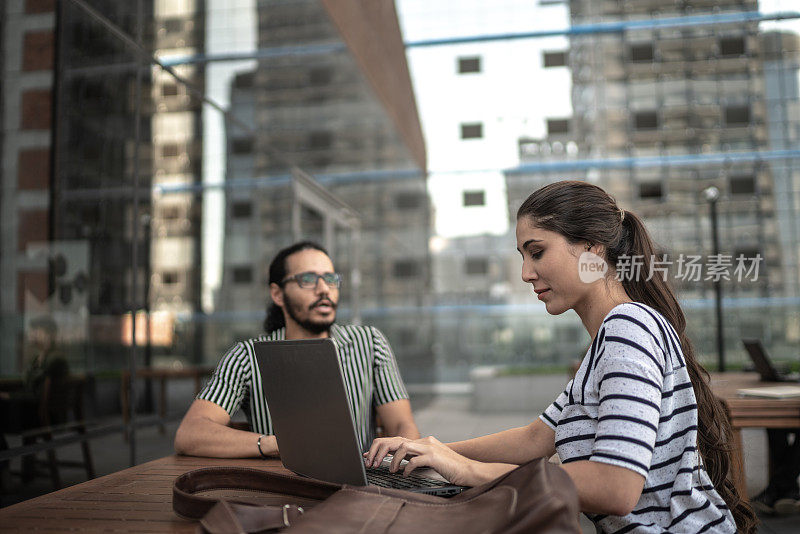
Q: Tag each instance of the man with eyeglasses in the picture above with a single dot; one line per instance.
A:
(304, 289)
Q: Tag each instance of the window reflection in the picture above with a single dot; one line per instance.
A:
(149, 195)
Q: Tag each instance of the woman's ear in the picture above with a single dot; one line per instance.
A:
(276, 294)
(596, 248)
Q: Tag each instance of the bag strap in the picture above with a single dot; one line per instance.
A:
(233, 518)
(187, 504)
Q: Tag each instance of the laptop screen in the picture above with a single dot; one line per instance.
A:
(761, 361)
(311, 415)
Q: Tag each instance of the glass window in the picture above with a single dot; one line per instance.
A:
(406, 269)
(241, 209)
(320, 76)
(645, 120)
(245, 79)
(651, 190)
(171, 212)
(469, 64)
(743, 185)
(242, 146)
(472, 131)
(474, 198)
(732, 46)
(737, 115)
(476, 266)
(174, 25)
(242, 274)
(408, 200)
(319, 140)
(555, 59)
(169, 89)
(641, 52)
(166, 192)
(170, 150)
(557, 126)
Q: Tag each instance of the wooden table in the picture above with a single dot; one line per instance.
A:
(752, 412)
(138, 499)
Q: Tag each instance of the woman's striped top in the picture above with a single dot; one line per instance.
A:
(369, 369)
(632, 404)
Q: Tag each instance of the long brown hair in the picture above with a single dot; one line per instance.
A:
(582, 212)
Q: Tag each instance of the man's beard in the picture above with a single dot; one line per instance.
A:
(315, 327)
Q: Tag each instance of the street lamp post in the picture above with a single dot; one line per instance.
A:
(711, 195)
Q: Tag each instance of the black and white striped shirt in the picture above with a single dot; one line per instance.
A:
(632, 404)
(370, 373)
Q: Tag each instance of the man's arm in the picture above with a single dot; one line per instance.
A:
(390, 394)
(204, 431)
(397, 419)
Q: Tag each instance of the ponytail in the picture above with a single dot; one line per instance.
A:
(275, 319)
(714, 432)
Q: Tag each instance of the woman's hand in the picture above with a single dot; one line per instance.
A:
(428, 452)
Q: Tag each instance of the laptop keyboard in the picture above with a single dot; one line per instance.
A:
(381, 476)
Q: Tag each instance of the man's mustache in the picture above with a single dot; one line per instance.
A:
(321, 302)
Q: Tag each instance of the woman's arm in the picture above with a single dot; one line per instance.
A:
(430, 452)
(605, 488)
(469, 462)
(514, 446)
(602, 488)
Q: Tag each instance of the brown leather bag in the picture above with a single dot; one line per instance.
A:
(536, 497)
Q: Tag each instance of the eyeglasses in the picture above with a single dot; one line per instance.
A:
(309, 279)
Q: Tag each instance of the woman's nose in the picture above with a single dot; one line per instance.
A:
(526, 277)
(528, 273)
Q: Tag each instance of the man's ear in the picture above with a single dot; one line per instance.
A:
(276, 294)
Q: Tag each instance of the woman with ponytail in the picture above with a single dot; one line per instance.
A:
(638, 430)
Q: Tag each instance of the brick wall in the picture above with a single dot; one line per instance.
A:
(35, 112)
(33, 7)
(32, 227)
(33, 169)
(38, 50)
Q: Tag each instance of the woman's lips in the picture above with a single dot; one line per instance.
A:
(541, 292)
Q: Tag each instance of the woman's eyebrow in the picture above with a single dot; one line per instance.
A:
(529, 241)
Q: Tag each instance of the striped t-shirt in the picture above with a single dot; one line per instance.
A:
(369, 370)
(632, 404)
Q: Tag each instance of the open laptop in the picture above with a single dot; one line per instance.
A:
(764, 365)
(313, 424)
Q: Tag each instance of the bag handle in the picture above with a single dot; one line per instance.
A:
(190, 506)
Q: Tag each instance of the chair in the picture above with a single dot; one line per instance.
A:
(60, 412)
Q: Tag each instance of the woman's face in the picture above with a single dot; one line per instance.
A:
(550, 265)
